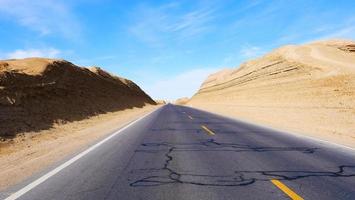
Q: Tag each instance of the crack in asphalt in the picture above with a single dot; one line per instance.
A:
(167, 175)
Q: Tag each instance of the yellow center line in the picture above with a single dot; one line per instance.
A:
(286, 190)
(190, 117)
(207, 130)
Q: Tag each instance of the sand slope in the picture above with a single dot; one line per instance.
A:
(181, 101)
(36, 93)
(160, 101)
(307, 88)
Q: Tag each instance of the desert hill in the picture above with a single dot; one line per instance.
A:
(36, 93)
(306, 88)
(160, 101)
(182, 101)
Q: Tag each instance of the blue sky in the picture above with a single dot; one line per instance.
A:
(167, 47)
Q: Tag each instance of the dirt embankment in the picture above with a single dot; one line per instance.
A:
(37, 93)
(160, 101)
(182, 101)
(309, 89)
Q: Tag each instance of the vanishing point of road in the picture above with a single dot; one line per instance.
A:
(179, 152)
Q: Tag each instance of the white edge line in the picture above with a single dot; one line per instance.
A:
(43, 178)
(300, 135)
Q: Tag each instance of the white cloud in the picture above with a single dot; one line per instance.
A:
(45, 17)
(249, 52)
(26, 53)
(345, 32)
(153, 25)
(194, 22)
(181, 85)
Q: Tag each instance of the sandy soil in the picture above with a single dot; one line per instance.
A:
(160, 101)
(181, 101)
(38, 93)
(31, 152)
(308, 89)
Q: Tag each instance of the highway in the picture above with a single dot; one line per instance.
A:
(179, 152)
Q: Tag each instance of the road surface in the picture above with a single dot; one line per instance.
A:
(183, 153)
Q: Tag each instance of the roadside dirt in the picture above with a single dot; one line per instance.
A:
(32, 152)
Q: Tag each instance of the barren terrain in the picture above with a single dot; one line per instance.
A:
(37, 93)
(50, 109)
(308, 89)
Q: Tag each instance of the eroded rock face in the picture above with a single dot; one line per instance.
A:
(35, 93)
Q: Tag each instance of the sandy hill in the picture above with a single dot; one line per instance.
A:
(160, 101)
(182, 101)
(306, 88)
(36, 93)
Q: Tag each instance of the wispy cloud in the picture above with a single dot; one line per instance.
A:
(26, 53)
(194, 22)
(347, 32)
(45, 17)
(308, 27)
(251, 4)
(248, 52)
(257, 17)
(153, 25)
(245, 53)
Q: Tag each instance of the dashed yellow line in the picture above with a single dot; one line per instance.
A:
(190, 117)
(286, 190)
(207, 130)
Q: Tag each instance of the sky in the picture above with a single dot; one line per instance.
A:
(167, 47)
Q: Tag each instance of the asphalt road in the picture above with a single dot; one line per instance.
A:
(183, 153)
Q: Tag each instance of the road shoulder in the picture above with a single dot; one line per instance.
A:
(33, 152)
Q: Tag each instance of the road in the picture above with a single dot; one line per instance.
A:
(183, 153)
